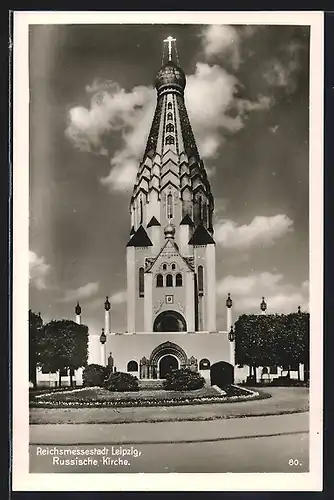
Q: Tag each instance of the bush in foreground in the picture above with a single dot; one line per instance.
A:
(121, 382)
(94, 375)
(183, 380)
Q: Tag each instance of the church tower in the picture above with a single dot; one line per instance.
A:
(171, 251)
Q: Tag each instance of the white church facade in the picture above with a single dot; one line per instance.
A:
(170, 255)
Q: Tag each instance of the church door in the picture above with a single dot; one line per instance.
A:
(167, 364)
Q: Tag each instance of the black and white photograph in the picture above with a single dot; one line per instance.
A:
(167, 250)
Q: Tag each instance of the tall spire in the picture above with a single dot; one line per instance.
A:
(171, 160)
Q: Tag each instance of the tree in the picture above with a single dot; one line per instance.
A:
(280, 340)
(64, 347)
(36, 332)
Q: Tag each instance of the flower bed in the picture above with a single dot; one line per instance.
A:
(98, 397)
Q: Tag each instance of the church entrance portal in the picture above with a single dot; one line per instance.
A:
(170, 321)
(166, 365)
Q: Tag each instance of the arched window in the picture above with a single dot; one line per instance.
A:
(169, 116)
(200, 280)
(204, 364)
(179, 279)
(141, 212)
(169, 206)
(164, 267)
(173, 267)
(170, 105)
(200, 209)
(160, 281)
(141, 282)
(170, 139)
(170, 127)
(169, 280)
(132, 366)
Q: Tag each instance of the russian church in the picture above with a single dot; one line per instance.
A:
(170, 254)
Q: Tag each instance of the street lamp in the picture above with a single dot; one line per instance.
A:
(103, 337)
(263, 305)
(107, 304)
(231, 335)
(229, 302)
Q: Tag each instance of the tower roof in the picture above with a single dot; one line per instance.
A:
(171, 154)
(170, 76)
(153, 222)
(140, 239)
(201, 236)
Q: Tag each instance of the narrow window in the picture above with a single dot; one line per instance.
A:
(169, 206)
(179, 279)
(160, 281)
(173, 267)
(141, 211)
(200, 280)
(273, 370)
(170, 105)
(132, 366)
(200, 209)
(169, 280)
(170, 127)
(141, 282)
(164, 267)
(170, 139)
(169, 116)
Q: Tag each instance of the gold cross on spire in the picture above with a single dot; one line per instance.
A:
(169, 40)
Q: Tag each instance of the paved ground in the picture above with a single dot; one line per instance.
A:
(283, 400)
(259, 444)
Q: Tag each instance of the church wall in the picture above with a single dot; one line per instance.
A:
(140, 254)
(125, 348)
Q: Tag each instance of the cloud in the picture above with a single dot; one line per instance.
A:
(83, 292)
(247, 293)
(118, 297)
(213, 106)
(38, 270)
(262, 231)
(282, 71)
(224, 42)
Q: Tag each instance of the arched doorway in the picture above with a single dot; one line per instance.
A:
(167, 364)
(170, 321)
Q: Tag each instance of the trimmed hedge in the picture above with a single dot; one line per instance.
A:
(94, 375)
(183, 380)
(121, 382)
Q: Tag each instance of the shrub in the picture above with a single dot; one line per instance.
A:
(287, 382)
(183, 380)
(94, 375)
(121, 382)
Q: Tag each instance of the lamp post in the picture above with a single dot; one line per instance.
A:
(263, 306)
(229, 304)
(103, 340)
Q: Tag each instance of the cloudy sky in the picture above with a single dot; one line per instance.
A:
(91, 106)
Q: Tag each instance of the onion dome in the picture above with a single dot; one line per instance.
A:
(169, 231)
(107, 304)
(170, 76)
(77, 309)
